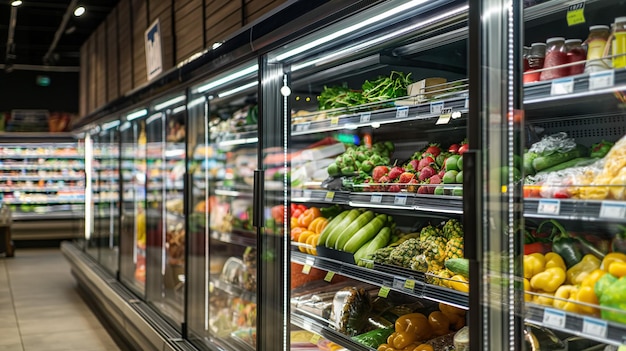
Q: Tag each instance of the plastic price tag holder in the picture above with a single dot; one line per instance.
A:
(398, 283)
(308, 264)
(562, 86)
(376, 198)
(329, 196)
(306, 194)
(334, 121)
(612, 210)
(466, 102)
(436, 107)
(551, 207)
(315, 339)
(402, 112)
(595, 327)
(329, 276)
(446, 115)
(576, 14)
(400, 200)
(554, 318)
(306, 325)
(384, 291)
(365, 117)
(602, 79)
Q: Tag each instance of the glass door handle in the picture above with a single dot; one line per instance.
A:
(257, 204)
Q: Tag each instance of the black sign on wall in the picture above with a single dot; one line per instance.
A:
(19, 90)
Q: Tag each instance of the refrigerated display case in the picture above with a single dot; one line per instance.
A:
(223, 148)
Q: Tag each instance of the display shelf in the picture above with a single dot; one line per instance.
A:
(37, 189)
(10, 201)
(44, 167)
(589, 327)
(40, 156)
(426, 111)
(38, 177)
(395, 278)
(236, 237)
(305, 322)
(233, 290)
(571, 209)
(393, 201)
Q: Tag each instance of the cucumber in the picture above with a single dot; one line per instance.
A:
(458, 266)
(378, 242)
(577, 162)
(330, 226)
(336, 230)
(544, 162)
(352, 228)
(363, 235)
(529, 157)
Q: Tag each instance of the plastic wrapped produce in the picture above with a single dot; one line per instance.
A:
(351, 306)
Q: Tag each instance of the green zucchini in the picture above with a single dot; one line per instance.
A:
(544, 162)
(529, 157)
(352, 228)
(458, 266)
(336, 230)
(378, 242)
(330, 226)
(363, 235)
(577, 162)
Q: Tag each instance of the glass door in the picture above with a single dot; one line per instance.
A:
(375, 124)
(165, 132)
(223, 148)
(573, 97)
(133, 237)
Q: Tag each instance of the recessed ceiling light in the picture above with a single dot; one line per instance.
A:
(79, 11)
(16, 3)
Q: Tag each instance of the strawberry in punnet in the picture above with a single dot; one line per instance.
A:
(378, 172)
(413, 164)
(464, 147)
(413, 185)
(426, 173)
(433, 150)
(454, 148)
(384, 180)
(441, 173)
(423, 189)
(426, 161)
(406, 177)
(433, 181)
(395, 172)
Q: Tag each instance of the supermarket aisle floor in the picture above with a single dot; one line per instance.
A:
(41, 308)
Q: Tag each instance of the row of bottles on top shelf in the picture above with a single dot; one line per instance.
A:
(604, 48)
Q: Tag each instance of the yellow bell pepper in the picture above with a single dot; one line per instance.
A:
(565, 298)
(439, 322)
(527, 297)
(400, 340)
(587, 294)
(533, 264)
(553, 259)
(548, 280)
(414, 326)
(578, 272)
(591, 279)
(618, 269)
(544, 298)
(610, 258)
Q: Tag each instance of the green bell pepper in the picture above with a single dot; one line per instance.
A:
(614, 296)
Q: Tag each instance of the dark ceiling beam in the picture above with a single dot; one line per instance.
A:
(10, 48)
(30, 28)
(60, 30)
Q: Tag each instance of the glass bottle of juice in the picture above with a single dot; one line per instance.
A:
(596, 43)
(619, 43)
(555, 57)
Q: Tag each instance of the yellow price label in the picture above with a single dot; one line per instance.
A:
(306, 269)
(409, 284)
(329, 276)
(576, 14)
(384, 291)
(315, 339)
(334, 121)
(622, 348)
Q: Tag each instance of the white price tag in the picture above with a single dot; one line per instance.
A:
(554, 318)
(399, 200)
(562, 86)
(402, 112)
(306, 194)
(306, 325)
(365, 117)
(444, 119)
(301, 127)
(613, 210)
(398, 283)
(467, 102)
(595, 327)
(602, 79)
(551, 207)
(310, 261)
(376, 198)
(436, 107)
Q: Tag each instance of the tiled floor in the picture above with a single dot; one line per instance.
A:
(41, 309)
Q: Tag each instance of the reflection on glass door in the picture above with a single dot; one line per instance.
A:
(223, 148)
(107, 204)
(133, 221)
